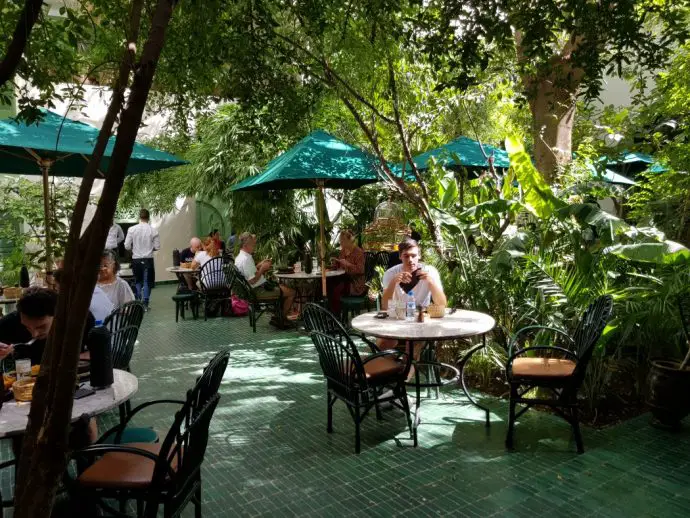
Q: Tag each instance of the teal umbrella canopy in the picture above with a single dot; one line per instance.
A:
(609, 175)
(632, 163)
(66, 145)
(317, 159)
(468, 152)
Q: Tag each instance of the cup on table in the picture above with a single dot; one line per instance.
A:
(400, 310)
(298, 267)
(23, 368)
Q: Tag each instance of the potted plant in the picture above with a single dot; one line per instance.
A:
(669, 380)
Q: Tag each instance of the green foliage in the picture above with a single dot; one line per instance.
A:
(23, 219)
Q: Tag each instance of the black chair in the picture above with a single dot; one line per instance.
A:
(183, 299)
(129, 314)
(257, 306)
(357, 382)
(167, 474)
(213, 283)
(560, 369)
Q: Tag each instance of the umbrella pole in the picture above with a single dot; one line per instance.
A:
(45, 171)
(322, 203)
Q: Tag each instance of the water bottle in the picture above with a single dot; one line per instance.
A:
(410, 307)
(306, 263)
(101, 357)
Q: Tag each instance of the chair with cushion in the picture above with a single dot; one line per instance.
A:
(214, 284)
(166, 474)
(358, 382)
(257, 305)
(559, 369)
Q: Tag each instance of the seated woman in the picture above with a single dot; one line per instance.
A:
(351, 259)
(116, 288)
(211, 279)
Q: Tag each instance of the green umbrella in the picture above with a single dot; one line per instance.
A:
(62, 147)
(632, 163)
(317, 161)
(468, 151)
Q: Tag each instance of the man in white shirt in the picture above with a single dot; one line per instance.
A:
(143, 240)
(423, 280)
(254, 273)
(115, 237)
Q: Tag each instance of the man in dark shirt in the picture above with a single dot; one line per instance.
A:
(32, 321)
(187, 255)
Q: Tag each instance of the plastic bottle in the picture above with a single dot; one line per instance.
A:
(410, 307)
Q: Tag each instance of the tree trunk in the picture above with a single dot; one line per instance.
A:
(20, 37)
(44, 452)
(553, 115)
(552, 93)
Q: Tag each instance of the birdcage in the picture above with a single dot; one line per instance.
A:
(387, 229)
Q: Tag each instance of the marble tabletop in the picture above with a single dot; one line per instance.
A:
(312, 275)
(460, 324)
(14, 416)
(177, 269)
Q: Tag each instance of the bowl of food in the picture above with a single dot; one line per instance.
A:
(186, 266)
(9, 379)
(24, 389)
(436, 310)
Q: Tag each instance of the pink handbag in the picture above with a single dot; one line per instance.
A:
(239, 307)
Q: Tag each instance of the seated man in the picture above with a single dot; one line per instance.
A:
(422, 280)
(254, 273)
(32, 321)
(187, 254)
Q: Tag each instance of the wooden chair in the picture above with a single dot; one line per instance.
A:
(560, 369)
(154, 475)
(358, 382)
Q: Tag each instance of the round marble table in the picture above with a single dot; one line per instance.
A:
(14, 416)
(455, 324)
(177, 269)
(304, 276)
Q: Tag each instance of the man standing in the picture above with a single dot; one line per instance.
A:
(143, 240)
(115, 237)
(254, 273)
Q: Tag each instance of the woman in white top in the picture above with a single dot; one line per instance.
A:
(211, 279)
(116, 288)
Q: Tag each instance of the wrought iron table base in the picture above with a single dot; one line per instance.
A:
(435, 381)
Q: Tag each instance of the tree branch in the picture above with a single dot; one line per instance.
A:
(20, 37)
(401, 131)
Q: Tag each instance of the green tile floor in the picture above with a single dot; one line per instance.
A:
(269, 453)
